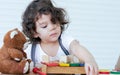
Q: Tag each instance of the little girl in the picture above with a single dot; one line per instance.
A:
(43, 24)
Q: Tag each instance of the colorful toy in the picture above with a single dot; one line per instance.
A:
(38, 71)
(74, 64)
(57, 67)
(65, 61)
(115, 72)
(70, 59)
(62, 70)
(64, 64)
(62, 67)
(104, 71)
(50, 64)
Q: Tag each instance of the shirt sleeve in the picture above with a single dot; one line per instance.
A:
(66, 41)
(28, 51)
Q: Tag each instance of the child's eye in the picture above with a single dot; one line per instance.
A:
(44, 26)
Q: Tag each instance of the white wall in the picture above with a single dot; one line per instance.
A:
(10, 15)
(95, 23)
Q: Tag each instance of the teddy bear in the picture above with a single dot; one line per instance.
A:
(13, 59)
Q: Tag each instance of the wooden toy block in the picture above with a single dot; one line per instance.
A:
(64, 64)
(45, 58)
(69, 59)
(63, 70)
(63, 59)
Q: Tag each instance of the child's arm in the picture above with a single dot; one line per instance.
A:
(82, 53)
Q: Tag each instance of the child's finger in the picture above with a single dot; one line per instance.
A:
(96, 71)
(87, 69)
(91, 70)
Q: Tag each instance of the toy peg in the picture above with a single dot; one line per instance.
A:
(38, 71)
(114, 72)
(64, 64)
(45, 58)
(51, 64)
(74, 64)
(82, 64)
(104, 71)
(63, 59)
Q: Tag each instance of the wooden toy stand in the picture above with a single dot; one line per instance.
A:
(63, 70)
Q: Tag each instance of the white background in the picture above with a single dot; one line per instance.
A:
(95, 23)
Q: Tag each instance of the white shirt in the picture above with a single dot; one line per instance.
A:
(39, 52)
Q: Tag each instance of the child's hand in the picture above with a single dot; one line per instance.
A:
(91, 68)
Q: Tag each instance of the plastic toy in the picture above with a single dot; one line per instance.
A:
(38, 71)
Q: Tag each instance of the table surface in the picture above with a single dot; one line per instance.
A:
(31, 73)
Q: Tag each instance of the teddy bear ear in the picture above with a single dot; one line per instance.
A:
(13, 33)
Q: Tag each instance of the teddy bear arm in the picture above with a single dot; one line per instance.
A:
(16, 54)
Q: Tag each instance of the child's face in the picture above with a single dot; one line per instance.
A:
(46, 30)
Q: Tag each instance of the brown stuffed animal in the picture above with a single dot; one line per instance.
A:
(12, 57)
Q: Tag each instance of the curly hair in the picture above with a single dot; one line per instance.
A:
(35, 9)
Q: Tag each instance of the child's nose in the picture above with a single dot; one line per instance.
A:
(52, 27)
